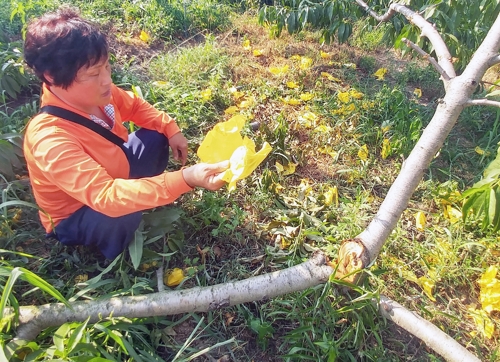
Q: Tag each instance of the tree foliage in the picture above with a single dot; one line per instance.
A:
(13, 78)
(482, 200)
(462, 23)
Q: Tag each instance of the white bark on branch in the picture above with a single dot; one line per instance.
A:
(359, 252)
(458, 92)
(426, 28)
(434, 337)
(426, 56)
(382, 18)
(32, 320)
(483, 102)
(457, 96)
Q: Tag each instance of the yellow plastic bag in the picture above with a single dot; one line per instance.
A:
(224, 142)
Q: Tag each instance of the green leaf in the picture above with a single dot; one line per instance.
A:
(467, 205)
(114, 335)
(7, 289)
(495, 223)
(398, 25)
(100, 359)
(313, 16)
(332, 355)
(492, 207)
(15, 345)
(493, 169)
(12, 84)
(161, 222)
(76, 336)
(176, 242)
(345, 33)
(475, 190)
(31, 278)
(135, 248)
(6, 85)
(50, 352)
(36, 281)
(18, 203)
(131, 351)
(291, 22)
(108, 268)
(341, 32)
(164, 215)
(493, 94)
(475, 204)
(88, 349)
(480, 204)
(60, 336)
(91, 287)
(7, 154)
(484, 208)
(329, 11)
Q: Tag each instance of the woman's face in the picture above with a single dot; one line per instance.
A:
(91, 87)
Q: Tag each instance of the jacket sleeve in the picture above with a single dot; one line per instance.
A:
(65, 164)
(136, 109)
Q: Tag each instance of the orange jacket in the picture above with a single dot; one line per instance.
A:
(71, 166)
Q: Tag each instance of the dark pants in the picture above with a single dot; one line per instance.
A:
(147, 153)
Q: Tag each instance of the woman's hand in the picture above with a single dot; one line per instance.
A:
(179, 145)
(206, 175)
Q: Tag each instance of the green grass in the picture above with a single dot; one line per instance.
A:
(367, 37)
(272, 220)
(163, 20)
(176, 89)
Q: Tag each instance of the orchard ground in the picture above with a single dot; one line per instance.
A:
(339, 136)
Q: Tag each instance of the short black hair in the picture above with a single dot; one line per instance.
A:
(61, 43)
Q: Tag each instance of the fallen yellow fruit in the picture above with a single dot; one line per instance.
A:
(173, 277)
(224, 142)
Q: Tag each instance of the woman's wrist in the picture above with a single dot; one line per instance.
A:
(186, 174)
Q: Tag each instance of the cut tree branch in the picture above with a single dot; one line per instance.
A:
(483, 102)
(458, 94)
(356, 254)
(426, 56)
(32, 319)
(434, 337)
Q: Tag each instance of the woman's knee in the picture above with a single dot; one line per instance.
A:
(88, 227)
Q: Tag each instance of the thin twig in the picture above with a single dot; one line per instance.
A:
(209, 278)
(159, 276)
(382, 18)
(492, 84)
(426, 56)
(177, 46)
(494, 60)
(253, 259)
(482, 102)
(427, 30)
(161, 269)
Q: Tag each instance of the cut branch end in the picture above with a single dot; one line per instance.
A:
(353, 257)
